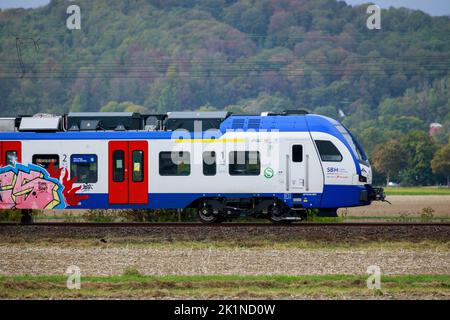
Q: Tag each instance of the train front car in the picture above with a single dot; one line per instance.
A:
(273, 166)
(346, 168)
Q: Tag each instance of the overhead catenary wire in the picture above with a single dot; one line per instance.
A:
(205, 69)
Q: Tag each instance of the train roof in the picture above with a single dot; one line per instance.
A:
(135, 126)
(296, 123)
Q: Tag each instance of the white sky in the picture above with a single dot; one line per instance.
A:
(433, 7)
(6, 4)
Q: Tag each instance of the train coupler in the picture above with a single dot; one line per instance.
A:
(377, 194)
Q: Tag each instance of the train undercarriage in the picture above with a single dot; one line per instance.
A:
(215, 210)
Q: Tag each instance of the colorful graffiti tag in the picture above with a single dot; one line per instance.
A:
(33, 187)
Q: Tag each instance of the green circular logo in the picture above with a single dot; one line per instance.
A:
(268, 173)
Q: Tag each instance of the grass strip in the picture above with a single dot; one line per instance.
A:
(133, 285)
(417, 191)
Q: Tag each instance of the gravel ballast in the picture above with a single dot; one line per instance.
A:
(156, 250)
(51, 260)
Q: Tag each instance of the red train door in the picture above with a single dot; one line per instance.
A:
(128, 176)
(10, 153)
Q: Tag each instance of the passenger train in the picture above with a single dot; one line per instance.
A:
(273, 165)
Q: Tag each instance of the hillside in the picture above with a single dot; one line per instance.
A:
(242, 55)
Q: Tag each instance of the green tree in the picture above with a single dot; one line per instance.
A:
(164, 93)
(183, 54)
(126, 106)
(206, 108)
(111, 106)
(76, 104)
(390, 158)
(329, 111)
(420, 148)
(441, 162)
(371, 137)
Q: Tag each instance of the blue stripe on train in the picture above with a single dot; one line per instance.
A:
(334, 196)
(163, 200)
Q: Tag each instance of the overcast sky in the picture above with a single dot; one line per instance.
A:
(433, 7)
(6, 4)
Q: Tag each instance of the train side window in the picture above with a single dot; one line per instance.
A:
(209, 163)
(174, 163)
(84, 167)
(138, 165)
(11, 158)
(44, 160)
(118, 165)
(297, 153)
(244, 163)
(328, 151)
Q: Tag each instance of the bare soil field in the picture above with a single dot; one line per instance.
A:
(403, 205)
(54, 260)
(119, 262)
(200, 249)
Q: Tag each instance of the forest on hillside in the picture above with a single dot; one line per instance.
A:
(245, 56)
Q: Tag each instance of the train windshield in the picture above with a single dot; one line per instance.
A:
(351, 141)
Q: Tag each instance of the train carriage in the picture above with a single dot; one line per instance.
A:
(270, 165)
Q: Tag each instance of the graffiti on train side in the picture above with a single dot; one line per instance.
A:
(33, 187)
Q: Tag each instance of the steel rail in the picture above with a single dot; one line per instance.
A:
(226, 225)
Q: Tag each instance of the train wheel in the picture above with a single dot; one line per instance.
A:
(277, 214)
(206, 214)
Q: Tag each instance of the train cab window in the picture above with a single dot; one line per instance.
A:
(328, 151)
(244, 163)
(174, 163)
(44, 160)
(360, 155)
(138, 166)
(84, 167)
(118, 166)
(209, 163)
(11, 158)
(297, 153)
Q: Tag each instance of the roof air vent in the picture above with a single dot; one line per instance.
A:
(238, 124)
(253, 123)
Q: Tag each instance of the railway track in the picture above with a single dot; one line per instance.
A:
(239, 233)
(221, 225)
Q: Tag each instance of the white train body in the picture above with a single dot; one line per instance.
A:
(303, 161)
